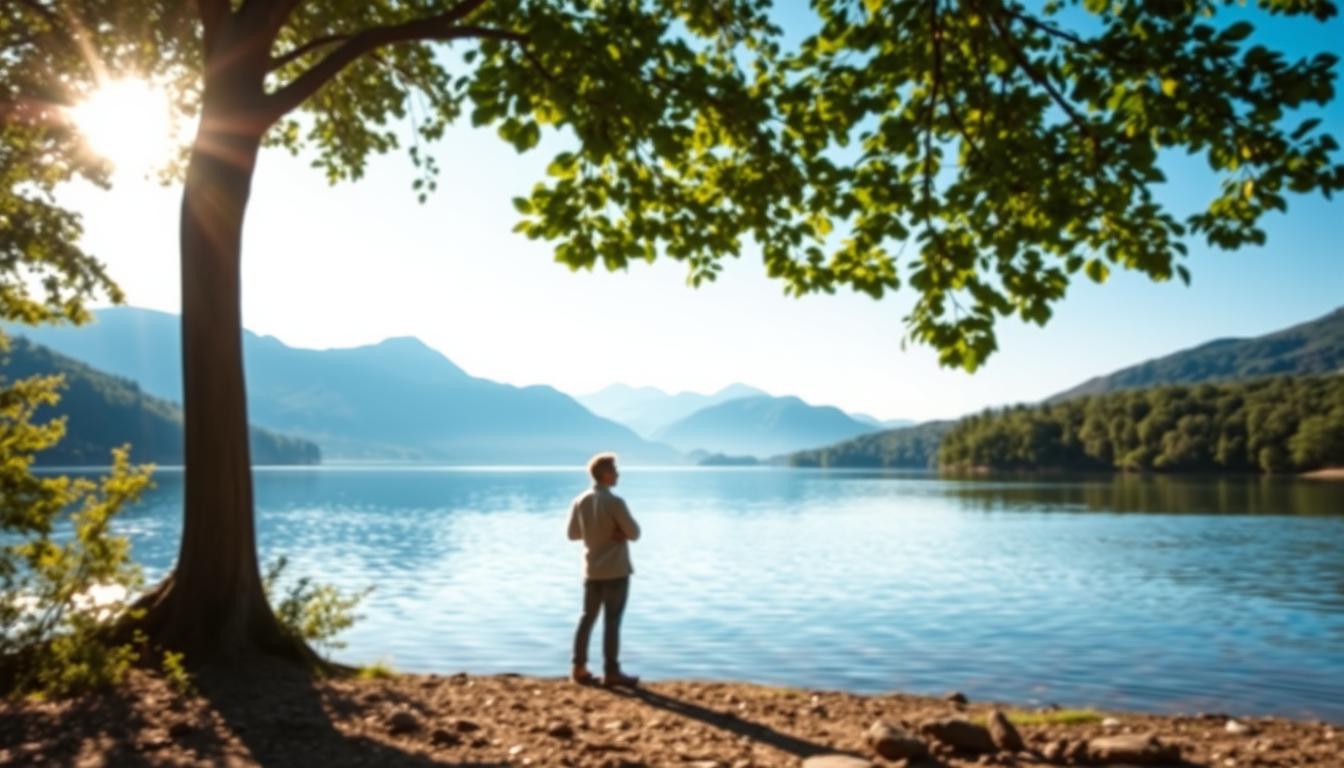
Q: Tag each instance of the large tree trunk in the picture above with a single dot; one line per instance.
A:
(213, 606)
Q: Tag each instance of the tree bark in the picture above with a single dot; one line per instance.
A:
(213, 607)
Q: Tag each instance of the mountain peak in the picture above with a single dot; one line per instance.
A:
(409, 354)
(761, 426)
(737, 389)
(406, 343)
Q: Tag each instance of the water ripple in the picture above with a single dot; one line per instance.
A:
(1148, 593)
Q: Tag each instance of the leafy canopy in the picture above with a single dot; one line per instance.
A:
(982, 153)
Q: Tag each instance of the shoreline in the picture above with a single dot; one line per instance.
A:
(272, 715)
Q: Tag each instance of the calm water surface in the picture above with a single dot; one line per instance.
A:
(1168, 594)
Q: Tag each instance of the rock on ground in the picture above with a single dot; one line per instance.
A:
(836, 761)
(1004, 733)
(1137, 749)
(959, 734)
(894, 742)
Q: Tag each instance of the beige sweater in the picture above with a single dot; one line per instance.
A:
(595, 517)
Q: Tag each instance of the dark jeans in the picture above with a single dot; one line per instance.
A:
(607, 596)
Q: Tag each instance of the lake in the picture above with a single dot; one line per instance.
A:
(1150, 593)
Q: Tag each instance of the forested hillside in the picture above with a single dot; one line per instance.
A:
(103, 412)
(914, 447)
(1276, 424)
(1312, 347)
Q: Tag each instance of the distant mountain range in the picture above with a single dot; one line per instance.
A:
(761, 426)
(648, 409)
(398, 400)
(716, 434)
(104, 412)
(1312, 347)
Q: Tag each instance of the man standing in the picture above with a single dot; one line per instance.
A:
(602, 521)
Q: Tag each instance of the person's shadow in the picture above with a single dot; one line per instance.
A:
(758, 732)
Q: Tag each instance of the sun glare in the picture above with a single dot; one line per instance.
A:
(129, 123)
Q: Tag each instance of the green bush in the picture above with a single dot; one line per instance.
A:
(63, 574)
(317, 613)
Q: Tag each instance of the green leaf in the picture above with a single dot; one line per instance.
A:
(1097, 271)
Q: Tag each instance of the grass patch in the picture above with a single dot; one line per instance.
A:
(1057, 717)
(378, 670)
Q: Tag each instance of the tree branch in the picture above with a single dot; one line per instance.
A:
(1049, 29)
(1040, 79)
(299, 52)
(441, 28)
(936, 75)
(267, 17)
(213, 13)
(936, 33)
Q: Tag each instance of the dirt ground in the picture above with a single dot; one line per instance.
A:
(275, 717)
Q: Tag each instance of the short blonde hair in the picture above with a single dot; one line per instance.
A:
(600, 463)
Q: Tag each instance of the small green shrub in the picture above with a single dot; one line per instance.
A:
(1055, 717)
(317, 613)
(175, 673)
(378, 670)
(76, 662)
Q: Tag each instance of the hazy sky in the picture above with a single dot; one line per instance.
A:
(353, 264)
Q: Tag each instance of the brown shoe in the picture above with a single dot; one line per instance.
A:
(620, 680)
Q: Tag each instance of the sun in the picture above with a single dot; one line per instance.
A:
(129, 123)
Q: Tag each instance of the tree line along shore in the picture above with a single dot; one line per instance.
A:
(1278, 425)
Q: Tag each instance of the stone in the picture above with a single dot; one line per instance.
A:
(444, 737)
(1056, 751)
(1004, 733)
(961, 735)
(1136, 749)
(893, 742)
(151, 741)
(836, 761)
(956, 697)
(403, 721)
(1238, 728)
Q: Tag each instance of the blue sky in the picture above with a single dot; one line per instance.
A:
(353, 264)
